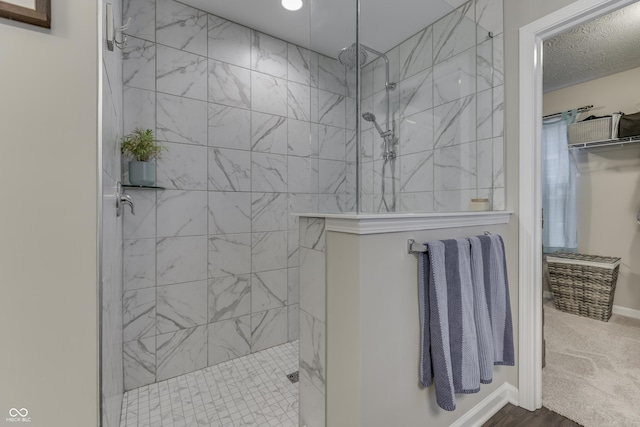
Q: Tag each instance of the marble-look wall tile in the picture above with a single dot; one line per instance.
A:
(229, 297)
(498, 199)
(489, 15)
(416, 172)
(314, 65)
(313, 349)
(268, 290)
(498, 60)
(181, 73)
(485, 163)
(313, 405)
(139, 109)
(268, 172)
(299, 101)
(332, 176)
(139, 64)
(142, 14)
(455, 122)
(366, 80)
(269, 328)
(331, 109)
(269, 251)
(331, 143)
(313, 283)
(416, 133)
(453, 201)
(268, 133)
(331, 203)
(229, 85)
(293, 319)
(498, 111)
(229, 212)
(229, 42)
(299, 138)
(293, 285)
(453, 34)
(138, 314)
(143, 223)
(183, 167)
(299, 175)
(229, 254)
(268, 211)
(180, 352)
(181, 120)
(299, 64)
(139, 264)
(229, 339)
(415, 94)
(182, 213)
(416, 202)
(301, 203)
(498, 162)
(293, 248)
(455, 167)
(455, 78)
(331, 75)
(229, 170)
(484, 61)
(268, 94)
(269, 55)
(181, 306)
(416, 53)
(139, 363)
(181, 27)
(484, 113)
(312, 234)
(181, 259)
(229, 127)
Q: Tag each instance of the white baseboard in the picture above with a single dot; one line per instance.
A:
(489, 406)
(621, 311)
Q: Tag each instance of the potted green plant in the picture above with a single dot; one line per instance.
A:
(142, 147)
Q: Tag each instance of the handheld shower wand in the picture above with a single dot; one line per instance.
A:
(387, 136)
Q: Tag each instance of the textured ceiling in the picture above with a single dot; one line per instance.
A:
(330, 25)
(604, 46)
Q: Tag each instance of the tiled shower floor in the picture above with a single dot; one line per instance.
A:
(252, 390)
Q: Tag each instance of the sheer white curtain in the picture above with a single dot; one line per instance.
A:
(560, 232)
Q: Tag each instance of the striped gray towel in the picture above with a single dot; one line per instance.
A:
(449, 350)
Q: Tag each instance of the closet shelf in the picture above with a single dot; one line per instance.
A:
(605, 143)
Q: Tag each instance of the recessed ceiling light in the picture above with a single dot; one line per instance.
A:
(292, 4)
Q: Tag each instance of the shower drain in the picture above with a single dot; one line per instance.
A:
(293, 377)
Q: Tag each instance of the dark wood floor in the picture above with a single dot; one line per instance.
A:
(512, 416)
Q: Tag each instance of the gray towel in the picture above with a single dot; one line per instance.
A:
(481, 313)
(449, 349)
(496, 284)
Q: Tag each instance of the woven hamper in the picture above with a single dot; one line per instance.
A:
(583, 284)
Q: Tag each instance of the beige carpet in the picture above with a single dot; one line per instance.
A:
(593, 369)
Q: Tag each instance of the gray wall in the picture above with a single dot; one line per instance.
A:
(255, 129)
(447, 111)
(111, 255)
(49, 221)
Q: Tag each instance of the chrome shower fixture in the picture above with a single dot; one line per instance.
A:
(387, 136)
(370, 117)
(347, 56)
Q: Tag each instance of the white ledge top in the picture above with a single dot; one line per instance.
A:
(397, 222)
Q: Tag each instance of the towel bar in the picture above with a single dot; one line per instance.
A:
(413, 247)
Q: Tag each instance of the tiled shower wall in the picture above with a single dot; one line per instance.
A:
(255, 128)
(111, 244)
(447, 111)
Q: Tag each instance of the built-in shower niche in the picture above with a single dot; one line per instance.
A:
(446, 113)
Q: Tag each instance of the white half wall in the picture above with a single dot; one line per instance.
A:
(49, 218)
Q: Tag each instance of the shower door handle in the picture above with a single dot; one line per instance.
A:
(122, 199)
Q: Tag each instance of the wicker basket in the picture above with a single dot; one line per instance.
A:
(590, 130)
(583, 284)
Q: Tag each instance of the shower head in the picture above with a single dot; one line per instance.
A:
(347, 56)
(370, 117)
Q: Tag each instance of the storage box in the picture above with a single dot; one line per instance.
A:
(590, 130)
(583, 284)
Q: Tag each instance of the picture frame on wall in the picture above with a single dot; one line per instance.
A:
(34, 12)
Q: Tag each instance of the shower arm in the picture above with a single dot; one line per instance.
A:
(388, 85)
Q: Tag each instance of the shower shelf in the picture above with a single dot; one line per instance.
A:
(605, 143)
(142, 187)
